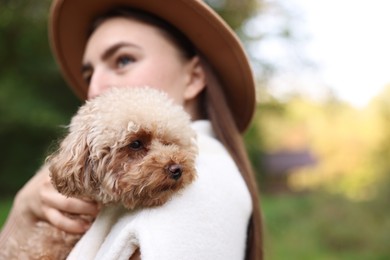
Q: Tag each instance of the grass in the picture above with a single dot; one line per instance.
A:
(317, 226)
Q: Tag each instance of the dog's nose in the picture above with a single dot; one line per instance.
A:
(175, 171)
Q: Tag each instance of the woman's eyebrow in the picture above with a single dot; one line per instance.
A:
(108, 53)
(111, 50)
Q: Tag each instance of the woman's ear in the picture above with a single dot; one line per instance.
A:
(196, 79)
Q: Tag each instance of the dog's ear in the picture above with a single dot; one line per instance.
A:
(69, 164)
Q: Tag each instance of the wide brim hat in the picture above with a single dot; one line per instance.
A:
(70, 21)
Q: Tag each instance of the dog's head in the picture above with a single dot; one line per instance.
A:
(130, 145)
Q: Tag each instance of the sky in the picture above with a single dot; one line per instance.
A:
(347, 40)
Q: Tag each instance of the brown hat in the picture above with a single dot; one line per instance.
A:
(212, 37)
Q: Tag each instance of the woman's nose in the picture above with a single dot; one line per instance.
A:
(100, 81)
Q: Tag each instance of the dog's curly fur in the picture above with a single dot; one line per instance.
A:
(131, 146)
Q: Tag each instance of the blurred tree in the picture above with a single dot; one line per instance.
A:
(381, 156)
(257, 137)
(235, 12)
(34, 100)
(343, 139)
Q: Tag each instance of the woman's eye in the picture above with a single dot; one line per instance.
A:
(136, 145)
(87, 79)
(87, 75)
(122, 61)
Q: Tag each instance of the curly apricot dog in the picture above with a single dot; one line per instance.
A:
(131, 146)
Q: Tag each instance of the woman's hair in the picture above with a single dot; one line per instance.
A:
(213, 105)
(227, 133)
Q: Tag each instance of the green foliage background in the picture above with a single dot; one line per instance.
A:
(34, 100)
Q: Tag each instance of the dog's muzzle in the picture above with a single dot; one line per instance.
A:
(175, 171)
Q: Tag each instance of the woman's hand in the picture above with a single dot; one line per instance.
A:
(39, 200)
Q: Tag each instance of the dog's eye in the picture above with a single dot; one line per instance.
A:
(136, 145)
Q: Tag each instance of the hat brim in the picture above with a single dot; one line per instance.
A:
(213, 38)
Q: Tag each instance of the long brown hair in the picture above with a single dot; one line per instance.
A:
(227, 133)
(214, 107)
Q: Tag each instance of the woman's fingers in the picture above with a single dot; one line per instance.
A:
(39, 200)
(65, 222)
(69, 214)
(52, 199)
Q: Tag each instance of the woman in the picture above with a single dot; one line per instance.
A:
(185, 49)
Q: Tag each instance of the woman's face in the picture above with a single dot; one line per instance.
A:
(125, 52)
